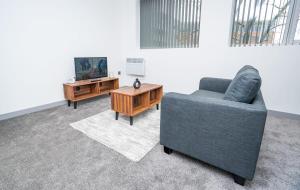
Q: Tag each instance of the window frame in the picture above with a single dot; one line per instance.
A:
(289, 33)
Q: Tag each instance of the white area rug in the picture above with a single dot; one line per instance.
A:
(134, 141)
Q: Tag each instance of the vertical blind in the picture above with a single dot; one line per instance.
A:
(169, 23)
(297, 35)
(264, 22)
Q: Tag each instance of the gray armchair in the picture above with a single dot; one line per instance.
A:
(223, 133)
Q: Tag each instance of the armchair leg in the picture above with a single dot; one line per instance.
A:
(239, 180)
(167, 150)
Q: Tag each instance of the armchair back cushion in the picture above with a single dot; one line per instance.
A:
(245, 85)
(246, 67)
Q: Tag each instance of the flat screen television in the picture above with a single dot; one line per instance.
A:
(90, 67)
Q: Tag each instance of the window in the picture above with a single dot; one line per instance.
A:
(169, 23)
(266, 22)
(297, 35)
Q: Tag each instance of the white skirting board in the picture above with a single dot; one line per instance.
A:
(62, 102)
(32, 110)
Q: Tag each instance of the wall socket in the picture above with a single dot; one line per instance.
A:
(119, 72)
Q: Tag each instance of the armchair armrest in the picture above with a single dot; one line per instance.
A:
(216, 131)
(214, 84)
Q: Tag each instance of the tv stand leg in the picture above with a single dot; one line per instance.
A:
(69, 103)
(75, 105)
(157, 106)
(117, 115)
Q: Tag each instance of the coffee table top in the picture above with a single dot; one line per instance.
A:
(130, 91)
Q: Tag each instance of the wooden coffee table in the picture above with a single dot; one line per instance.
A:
(130, 101)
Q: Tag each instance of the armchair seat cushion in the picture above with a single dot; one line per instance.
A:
(208, 94)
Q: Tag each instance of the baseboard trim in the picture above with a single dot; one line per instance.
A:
(31, 110)
(63, 102)
(284, 114)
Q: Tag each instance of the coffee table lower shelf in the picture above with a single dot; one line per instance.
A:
(131, 117)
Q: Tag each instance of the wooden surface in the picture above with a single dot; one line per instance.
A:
(85, 89)
(130, 91)
(130, 101)
(85, 82)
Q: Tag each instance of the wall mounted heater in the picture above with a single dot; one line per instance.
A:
(135, 66)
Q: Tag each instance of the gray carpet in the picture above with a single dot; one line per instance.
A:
(42, 151)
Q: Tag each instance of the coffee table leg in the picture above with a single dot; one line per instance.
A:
(117, 115)
(75, 105)
(131, 120)
(157, 106)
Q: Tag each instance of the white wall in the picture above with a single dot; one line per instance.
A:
(38, 41)
(181, 69)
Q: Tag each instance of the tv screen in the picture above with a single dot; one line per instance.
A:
(90, 67)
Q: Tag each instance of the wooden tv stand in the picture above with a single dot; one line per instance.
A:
(85, 89)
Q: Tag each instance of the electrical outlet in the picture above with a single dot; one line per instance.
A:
(119, 72)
